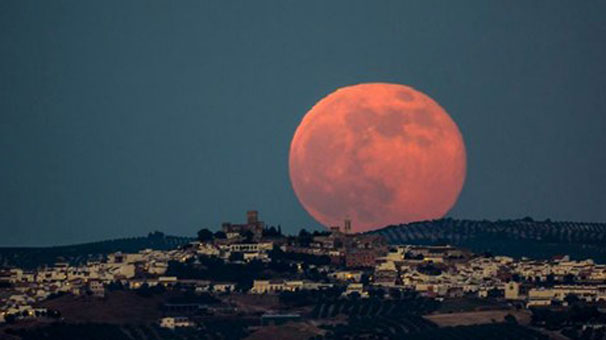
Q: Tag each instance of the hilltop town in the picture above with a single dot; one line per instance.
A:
(324, 284)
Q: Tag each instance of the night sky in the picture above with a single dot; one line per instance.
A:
(120, 117)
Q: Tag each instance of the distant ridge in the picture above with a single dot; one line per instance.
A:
(517, 238)
(32, 257)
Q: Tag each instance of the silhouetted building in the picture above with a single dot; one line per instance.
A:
(252, 224)
(252, 216)
(347, 226)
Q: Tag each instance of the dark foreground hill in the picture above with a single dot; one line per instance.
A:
(31, 257)
(517, 238)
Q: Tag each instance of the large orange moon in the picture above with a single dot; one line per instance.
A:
(377, 154)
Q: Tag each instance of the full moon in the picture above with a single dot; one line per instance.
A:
(377, 154)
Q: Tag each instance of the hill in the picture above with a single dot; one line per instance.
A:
(516, 238)
(32, 257)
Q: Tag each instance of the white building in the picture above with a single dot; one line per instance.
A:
(173, 322)
(274, 286)
(356, 288)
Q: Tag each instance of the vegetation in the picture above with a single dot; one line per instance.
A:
(73, 332)
(468, 304)
(402, 318)
(205, 235)
(574, 316)
(579, 322)
(310, 297)
(587, 333)
(228, 330)
(375, 317)
(272, 231)
(409, 327)
(498, 331)
(32, 257)
(408, 304)
(381, 327)
(507, 237)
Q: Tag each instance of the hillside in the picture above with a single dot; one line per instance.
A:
(517, 238)
(31, 257)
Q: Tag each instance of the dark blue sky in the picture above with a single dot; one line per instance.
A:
(118, 118)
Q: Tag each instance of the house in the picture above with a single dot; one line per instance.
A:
(157, 267)
(432, 289)
(172, 322)
(249, 247)
(224, 287)
(275, 286)
(482, 292)
(560, 292)
(96, 288)
(512, 291)
(309, 285)
(167, 281)
(120, 257)
(206, 249)
(122, 270)
(347, 275)
(386, 273)
(256, 256)
(12, 275)
(353, 288)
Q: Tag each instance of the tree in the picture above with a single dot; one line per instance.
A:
(365, 279)
(220, 235)
(511, 319)
(156, 235)
(236, 257)
(143, 291)
(248, 236)
(244, 285)
(550, 280)
(205, 235)
(378, 293)
(568, 278)
(305, 238)
(53, 313)
(10, 318)
(304, 233)
(115, 285)
(572, 299)
(276, 253)
(354, 295)
(270, 232)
